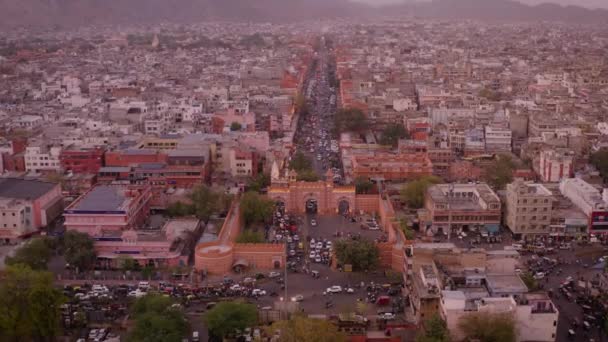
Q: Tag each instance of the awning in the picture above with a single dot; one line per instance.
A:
(241, 262)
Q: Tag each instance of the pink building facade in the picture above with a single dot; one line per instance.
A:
(108, 209)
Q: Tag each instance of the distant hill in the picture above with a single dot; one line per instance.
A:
(501, 10)
(68, 13)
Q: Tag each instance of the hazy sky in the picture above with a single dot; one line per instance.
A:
(585, 3)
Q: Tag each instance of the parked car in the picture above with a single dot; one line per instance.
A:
(313, 222)
(297, 298)
(334, 289)
(389, 316)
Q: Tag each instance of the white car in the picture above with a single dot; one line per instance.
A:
(296, 238)
(389, 316)
(319, 245)
(318, 259)
(334, 289)
(312, 255)
(235, 287)
(539, 275)
(313, 222)
(297, 298)
(350, 290)
(137, 293)
(274, 274)
(144, 285)
(289, 239)
(312, 244)
(258, 292)
(328, 244)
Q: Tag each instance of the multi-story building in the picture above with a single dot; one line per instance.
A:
(590, 201)
(131, 157)
(42, 158)
(391, 166)
(82, 160)
(243, 163)
(462, 207)
(556, 165)
(26, 206)
(529, 209)
(498, 139)
(534, 314)
(109, 209)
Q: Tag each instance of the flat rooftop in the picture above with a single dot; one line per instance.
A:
(103, 198)
(24, 189)
(506, 283)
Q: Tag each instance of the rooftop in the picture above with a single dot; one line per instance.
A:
(24, 189)
(103, 198)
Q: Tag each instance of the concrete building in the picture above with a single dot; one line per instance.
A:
(42, 158)
(529, 209)
(556, 165)
(590, 201)
(109, 209)
(170, 245)
(26, 206)
(389, 166)
(498, 139)
(462, 207)
(534, 314)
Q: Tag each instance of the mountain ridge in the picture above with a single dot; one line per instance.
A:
(70, 13)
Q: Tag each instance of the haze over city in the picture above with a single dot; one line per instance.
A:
(304, 170)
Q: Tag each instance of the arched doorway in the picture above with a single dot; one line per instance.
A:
(343, 207)
(311, 206)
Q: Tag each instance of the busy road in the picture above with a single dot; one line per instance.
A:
(315, 136)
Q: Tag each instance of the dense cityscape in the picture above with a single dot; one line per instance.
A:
(394, 179)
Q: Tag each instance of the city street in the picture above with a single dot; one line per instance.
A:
(315, 130)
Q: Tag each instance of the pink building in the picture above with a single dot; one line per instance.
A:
(169, 246)
(26, 206)
(109, 209)
(556, 165)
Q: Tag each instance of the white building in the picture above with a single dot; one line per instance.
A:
(556, 165)
(534, 315)
(498, 139)
(584, 195)
(42, 158)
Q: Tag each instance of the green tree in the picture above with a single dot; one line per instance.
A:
(530, 282)
(500, 172)
(29, 305)
(235, 126)
(227, 317)
(300, 162)
(363, 185)
(179, 209)
(156, 320)
(78, 250)
(35, 253)
(413, 192)
(302, 328)
(255, 208)
(260, 182)
(407, 231)
(205, 203)
(350, 120)
(392, 133)
(250, 236)
(599, 160)
(127, 263)
(435, 330)
(488, 327)
(363, 255)
(308, 175)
